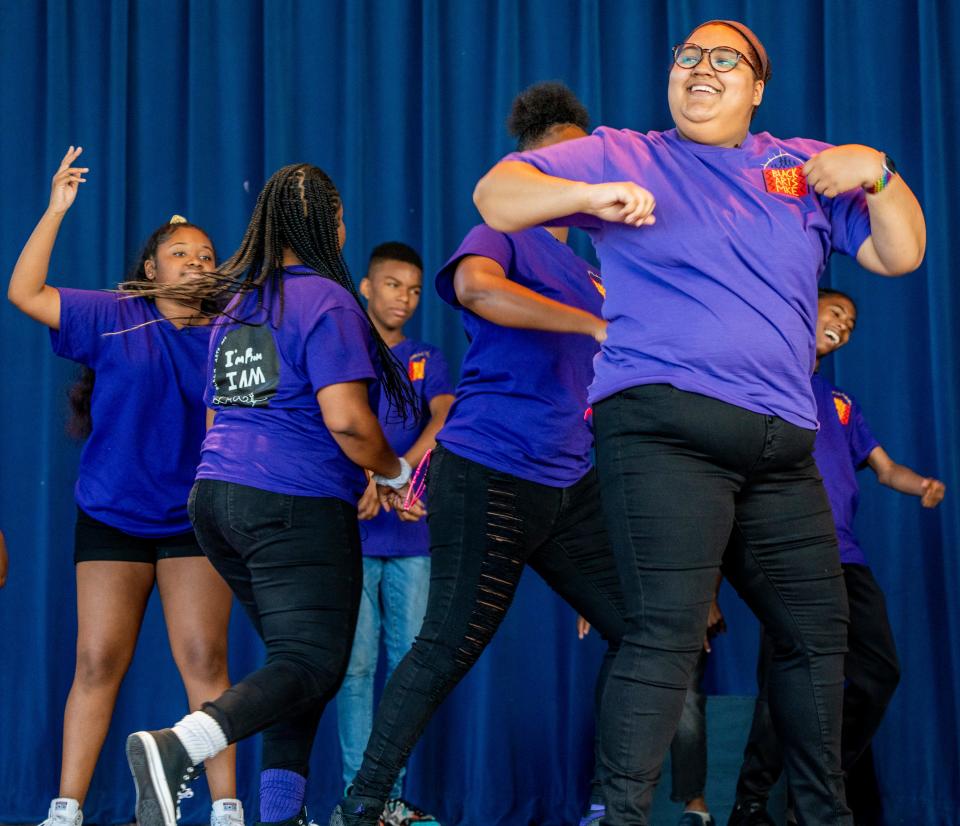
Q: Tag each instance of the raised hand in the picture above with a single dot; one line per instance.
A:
(622, 202)
(66, 182)
(842, 168)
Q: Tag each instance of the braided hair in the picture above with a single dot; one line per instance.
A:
(297, 210)
(80, 423)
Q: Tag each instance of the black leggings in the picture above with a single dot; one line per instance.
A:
(682, 475)
(294, 563)
(484, 527)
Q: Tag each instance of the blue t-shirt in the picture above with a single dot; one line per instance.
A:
(843, 444)
(385, 534)
(137, 467)
(522, 394)
(719, 296)
(263, 378)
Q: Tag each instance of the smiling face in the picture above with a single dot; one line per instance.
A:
(714, 107)
(836, 320)
(184, 254)
(392, 289)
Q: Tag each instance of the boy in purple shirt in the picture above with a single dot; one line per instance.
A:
(844, 445)
(396, 561)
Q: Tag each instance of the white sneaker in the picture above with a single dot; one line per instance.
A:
(64, 811)
(225, 812)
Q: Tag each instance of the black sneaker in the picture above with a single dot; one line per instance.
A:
(750, 814)
(161, 772)
(356, 811)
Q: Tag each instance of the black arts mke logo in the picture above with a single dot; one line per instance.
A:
(246, 368)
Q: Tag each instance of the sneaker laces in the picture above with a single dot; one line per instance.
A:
(184, 792)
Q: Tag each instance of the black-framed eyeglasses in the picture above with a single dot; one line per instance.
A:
(722, 58)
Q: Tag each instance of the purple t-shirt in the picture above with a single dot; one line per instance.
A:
(263, 378)
(137, 467)
(719, 297)
(522, 394)
(843, 444)
(385, 535)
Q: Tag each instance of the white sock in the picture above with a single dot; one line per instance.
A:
(201, 736)
(704, 816)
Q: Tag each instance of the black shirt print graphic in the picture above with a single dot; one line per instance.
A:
(246, 368)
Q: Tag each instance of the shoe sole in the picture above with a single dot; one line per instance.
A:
(151, 782)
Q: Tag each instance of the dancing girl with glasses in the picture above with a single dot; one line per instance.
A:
(712, 240)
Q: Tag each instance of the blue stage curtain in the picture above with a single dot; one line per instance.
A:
(187, 107)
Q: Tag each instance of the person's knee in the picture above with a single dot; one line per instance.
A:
(202, 661)
(100, 666)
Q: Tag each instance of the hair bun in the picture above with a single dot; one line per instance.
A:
(177, 219)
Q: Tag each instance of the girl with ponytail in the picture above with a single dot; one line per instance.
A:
(143, 421)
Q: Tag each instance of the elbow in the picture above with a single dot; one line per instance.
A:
(470, 297)
(486, 201)
(907, 260)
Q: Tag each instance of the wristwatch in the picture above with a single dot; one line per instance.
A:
(889, 170)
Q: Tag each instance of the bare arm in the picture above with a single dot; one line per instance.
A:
(346, 412)
(515, 195)
(427, 440)
(898, 232)
(28, 289)
(901, 478)
(483, 288)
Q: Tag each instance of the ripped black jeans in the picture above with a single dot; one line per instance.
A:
(484, 527)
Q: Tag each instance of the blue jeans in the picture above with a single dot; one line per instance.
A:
(394, 600)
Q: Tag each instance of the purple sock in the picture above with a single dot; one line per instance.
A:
(282, 793)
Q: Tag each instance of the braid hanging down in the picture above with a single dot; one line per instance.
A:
(299, 210)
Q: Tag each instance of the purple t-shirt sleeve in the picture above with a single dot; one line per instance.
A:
(481, 240)
(849, 221)
(337, 349)
(862, 440)
(436, 382)
(85, 315)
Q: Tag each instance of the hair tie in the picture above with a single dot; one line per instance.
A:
(177, 219)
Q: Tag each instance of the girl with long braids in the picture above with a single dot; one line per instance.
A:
(511, 483)
(140, 405)
(292, 364)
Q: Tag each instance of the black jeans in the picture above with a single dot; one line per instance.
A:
(294, 563)
(872, 670)
(683, 475)
(688, 751)
(484, 527)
